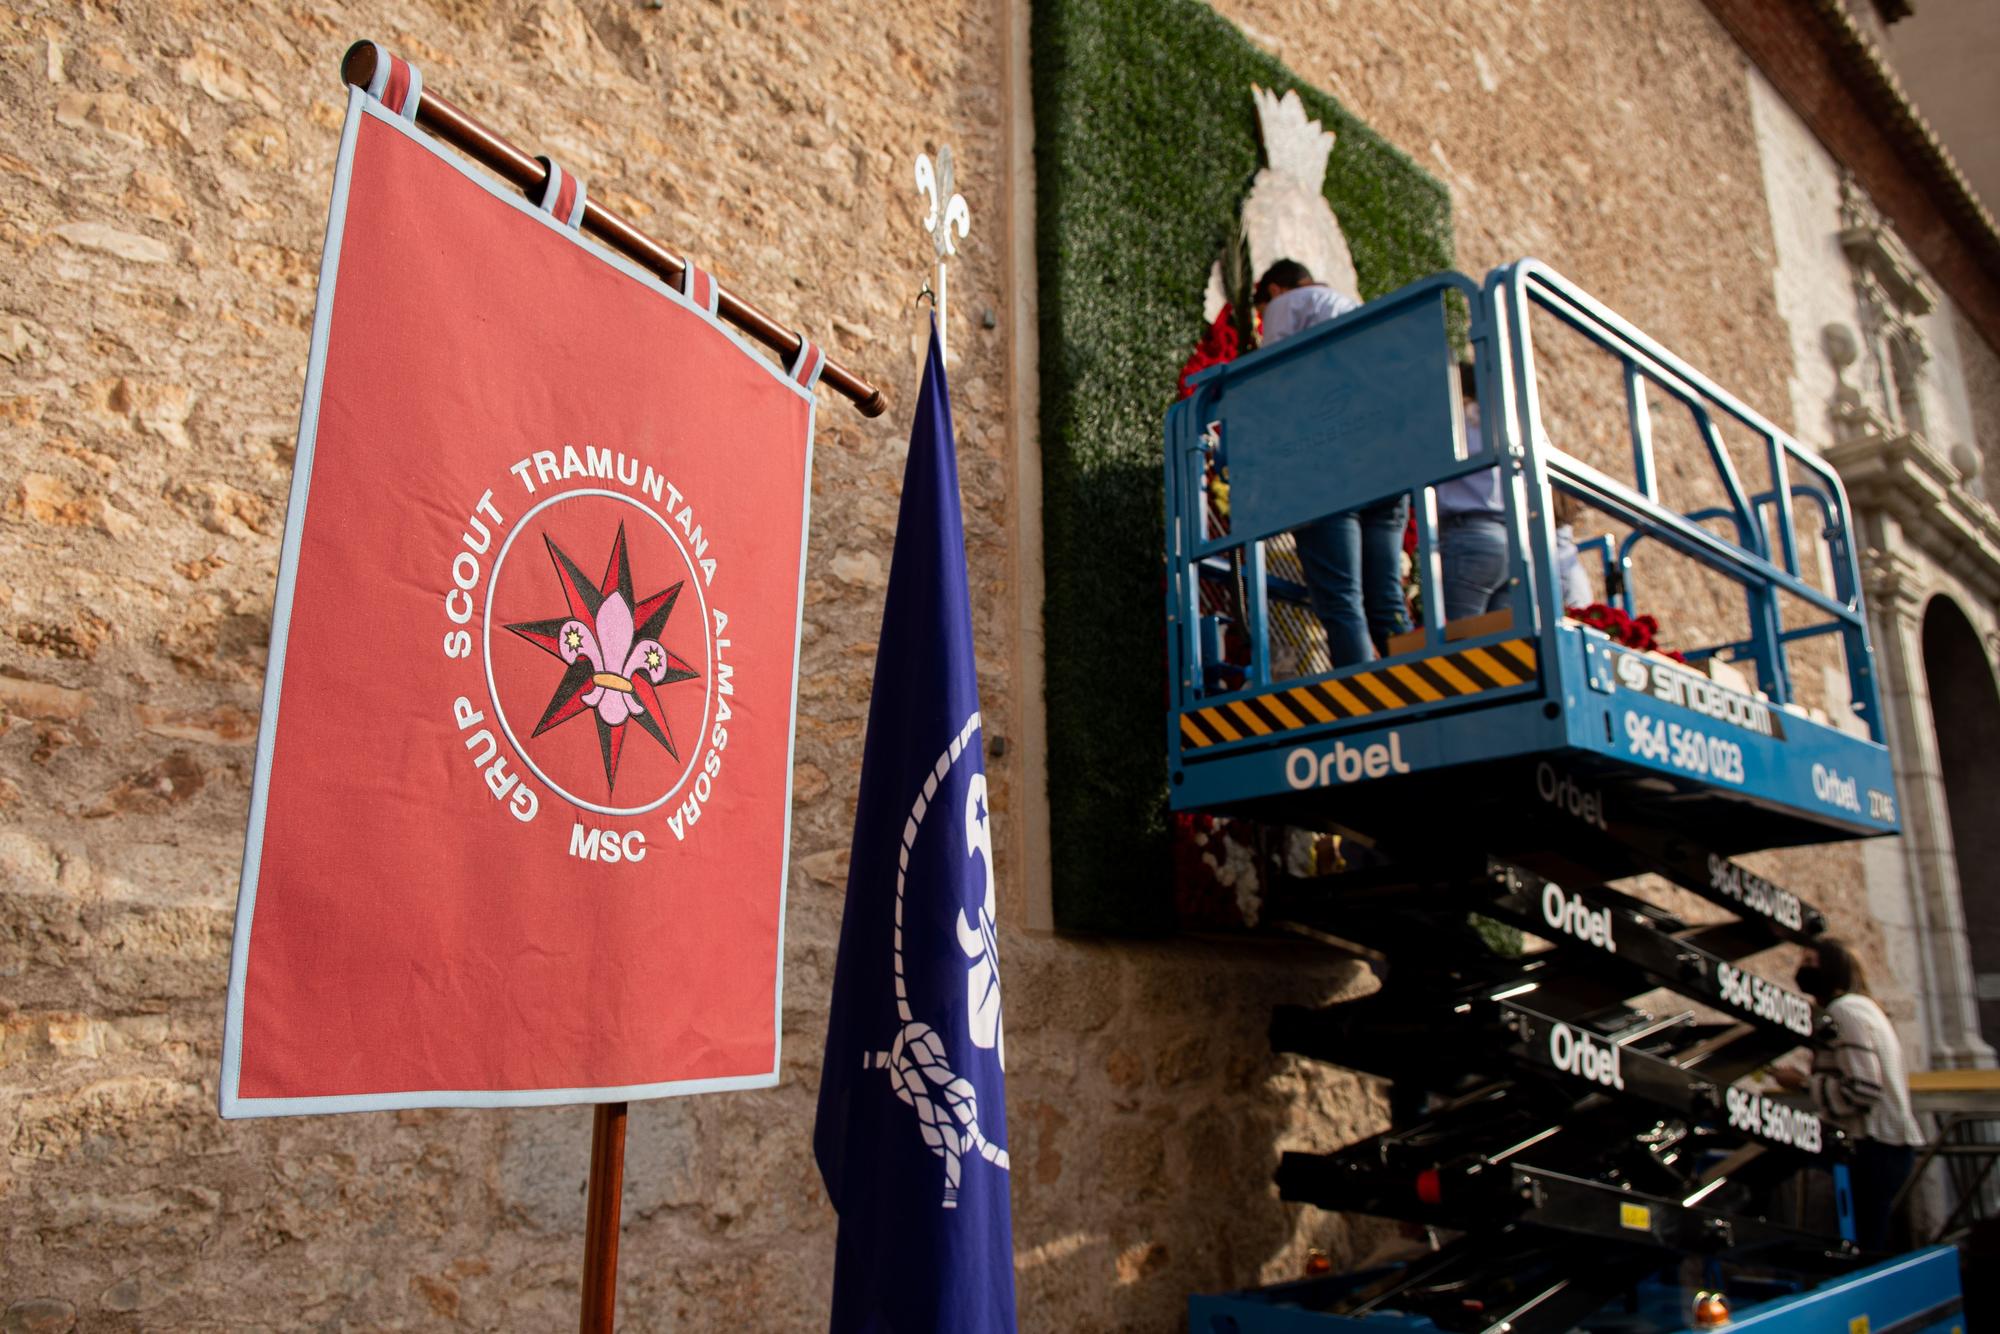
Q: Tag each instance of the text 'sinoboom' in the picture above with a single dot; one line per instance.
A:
(1692, 690)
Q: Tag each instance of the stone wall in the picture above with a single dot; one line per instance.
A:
(164, 185)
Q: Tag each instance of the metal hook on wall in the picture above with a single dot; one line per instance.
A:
(947, 210)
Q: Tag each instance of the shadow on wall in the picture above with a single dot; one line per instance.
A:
(1146, 140)
(1147, 1112)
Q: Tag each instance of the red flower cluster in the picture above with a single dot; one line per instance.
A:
(1216, 346)
(1639, 632)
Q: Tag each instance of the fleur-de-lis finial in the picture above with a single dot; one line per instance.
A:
(947, 210)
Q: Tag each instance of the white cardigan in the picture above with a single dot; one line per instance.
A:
(1861, 1080)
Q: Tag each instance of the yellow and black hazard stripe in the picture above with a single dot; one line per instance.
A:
(1442, 676)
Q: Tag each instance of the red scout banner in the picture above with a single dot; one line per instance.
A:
(519, 826)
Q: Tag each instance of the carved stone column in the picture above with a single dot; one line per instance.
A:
(1948, 1003)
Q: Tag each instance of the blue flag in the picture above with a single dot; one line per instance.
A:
(912, 1130)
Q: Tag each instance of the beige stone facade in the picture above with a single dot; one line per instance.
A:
(163, 177)
(1930, 538)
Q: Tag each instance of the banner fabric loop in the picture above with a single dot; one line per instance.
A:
(698, 285)
(397, 85)
(562, 194)
(807, 363)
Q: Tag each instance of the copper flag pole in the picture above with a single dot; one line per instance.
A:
(601, 1218)
(455, 127)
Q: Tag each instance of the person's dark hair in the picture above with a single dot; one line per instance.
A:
(1839, 972)
(1282, 277)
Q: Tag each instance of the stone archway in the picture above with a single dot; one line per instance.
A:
(1965, 715)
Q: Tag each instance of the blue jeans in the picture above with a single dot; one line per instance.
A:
(1353, 565)
(1476, 573)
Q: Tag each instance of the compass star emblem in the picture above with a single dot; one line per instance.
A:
(610, 645)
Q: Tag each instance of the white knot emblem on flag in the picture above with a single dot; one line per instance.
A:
(946, 1103)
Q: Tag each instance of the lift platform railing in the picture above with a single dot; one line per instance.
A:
(1366, 408)
(1764, 556)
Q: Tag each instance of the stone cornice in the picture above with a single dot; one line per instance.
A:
(1832, 73)
(1893, 584)
(1901, 476)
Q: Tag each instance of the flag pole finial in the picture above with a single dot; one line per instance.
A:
(947, 210)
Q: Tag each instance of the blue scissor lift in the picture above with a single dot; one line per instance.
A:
(1505, 768)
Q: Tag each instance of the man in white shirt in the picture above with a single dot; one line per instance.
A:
(1862, 1084)
(1353, 561)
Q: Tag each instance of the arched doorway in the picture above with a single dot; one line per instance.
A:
(1965, 710)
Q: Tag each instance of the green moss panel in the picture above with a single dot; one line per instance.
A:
(1146, 142)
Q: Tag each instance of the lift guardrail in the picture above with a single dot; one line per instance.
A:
(1365, 408)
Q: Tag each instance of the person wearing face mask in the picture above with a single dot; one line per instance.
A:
(1861, 1084)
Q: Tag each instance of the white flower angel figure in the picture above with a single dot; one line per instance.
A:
(1286, 215)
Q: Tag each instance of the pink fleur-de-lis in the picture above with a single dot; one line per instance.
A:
(609, 648)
